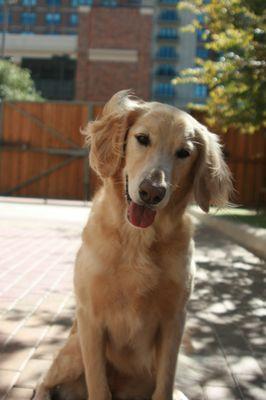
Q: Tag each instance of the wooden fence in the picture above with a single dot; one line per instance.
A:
(246, 158)
(42, 154)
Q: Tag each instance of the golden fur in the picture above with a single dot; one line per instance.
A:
(131, 284)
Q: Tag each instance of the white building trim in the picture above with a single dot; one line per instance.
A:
(113, 55)
(40, 46)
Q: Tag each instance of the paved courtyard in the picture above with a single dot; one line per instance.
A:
(223, 354)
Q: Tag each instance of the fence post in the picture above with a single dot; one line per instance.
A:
(1, 121)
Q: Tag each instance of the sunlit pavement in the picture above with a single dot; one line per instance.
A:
(223, 350)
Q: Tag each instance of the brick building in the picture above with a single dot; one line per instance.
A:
(88, 49)
(114, 52)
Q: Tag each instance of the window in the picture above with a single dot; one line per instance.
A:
(53, 18)
(134, 2)
(164, 90)
(166, 70)
(167, 33)
(168, 15)
(169, 1)
(76, 3)
(28, 18)
(2, 18)
(201, 52)
(201, 35)
(53, 2)
(167, 52)
(201, 18)
(29, 2)
(201, 91)
(109, 3)
(74, 19)
(54, 77)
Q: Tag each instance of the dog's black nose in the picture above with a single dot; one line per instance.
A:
(151, 193)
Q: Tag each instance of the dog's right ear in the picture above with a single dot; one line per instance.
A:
(107, 135)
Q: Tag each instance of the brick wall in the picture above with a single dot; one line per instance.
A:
(119, 28)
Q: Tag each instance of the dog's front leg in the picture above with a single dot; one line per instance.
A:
(92, 343)
(167, 351)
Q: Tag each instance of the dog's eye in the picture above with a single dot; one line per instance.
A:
(144, 140)
(182, 153)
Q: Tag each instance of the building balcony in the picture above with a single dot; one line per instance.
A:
(166, 53)
(168, 3)
(117, 3)
(167, 58)
(167, 34)
(165, 71)
(164, 91)
(168, 17)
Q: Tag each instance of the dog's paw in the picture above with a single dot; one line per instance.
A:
(41, 393)
(178, 395)
(69, 391)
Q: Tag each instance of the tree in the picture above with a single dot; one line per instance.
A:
(235, 74)
(16, 83)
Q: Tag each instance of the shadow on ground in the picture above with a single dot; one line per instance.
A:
(224, 348)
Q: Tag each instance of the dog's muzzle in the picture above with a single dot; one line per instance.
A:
(141, 216)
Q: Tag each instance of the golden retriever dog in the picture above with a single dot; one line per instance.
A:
(134, 271)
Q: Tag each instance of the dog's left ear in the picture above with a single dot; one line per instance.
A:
(107, 135)
(213, 184)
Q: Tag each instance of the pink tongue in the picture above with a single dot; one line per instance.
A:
(140, 216)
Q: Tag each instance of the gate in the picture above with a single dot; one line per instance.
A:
(42, 152)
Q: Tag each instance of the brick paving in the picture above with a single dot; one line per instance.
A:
(223, 354)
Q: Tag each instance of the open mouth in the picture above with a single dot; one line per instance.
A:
(138, 215)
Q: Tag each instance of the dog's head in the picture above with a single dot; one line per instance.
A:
(162, 153)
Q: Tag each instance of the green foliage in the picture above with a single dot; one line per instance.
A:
(235, 73)
(16, 83)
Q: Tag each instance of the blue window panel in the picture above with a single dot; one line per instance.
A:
(2, 19)
(165, 90)
(201, 52)
(29, 2)
(201, 91)
(76, 3)
(28, 18)
(200, 35)
(134, 2)
(109, 3)
(167, 52)
(169, 1)
(167, 33)
(166, 70)
(168, 15)
(2, 2)
(74, 19)
(201, 18)
(53, 2)
(53, 18)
